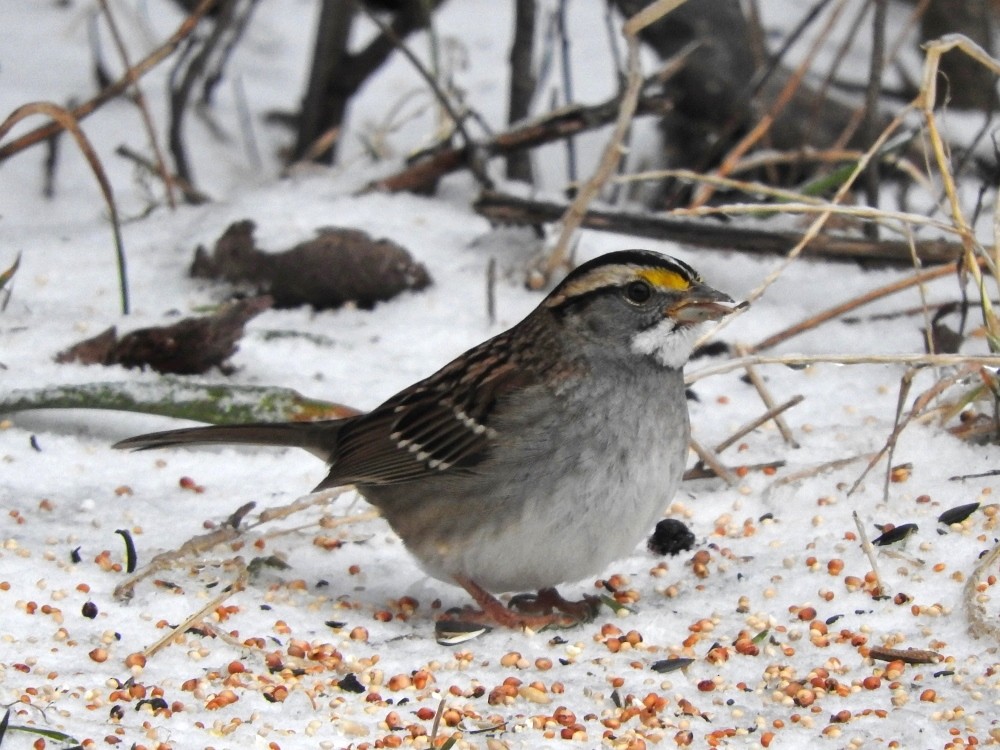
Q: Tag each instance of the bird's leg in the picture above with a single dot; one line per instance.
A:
(549, 599)
(493, 611)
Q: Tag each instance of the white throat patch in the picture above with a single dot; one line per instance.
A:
(667, 344)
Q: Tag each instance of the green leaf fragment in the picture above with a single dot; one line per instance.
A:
(174, 397)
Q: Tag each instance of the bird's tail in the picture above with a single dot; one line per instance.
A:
(319, 438)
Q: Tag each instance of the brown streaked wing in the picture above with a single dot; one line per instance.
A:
(440, 424)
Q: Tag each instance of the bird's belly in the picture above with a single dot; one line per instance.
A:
(575, 513)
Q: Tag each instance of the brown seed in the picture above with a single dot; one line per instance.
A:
(359, 634)
(564, 716)
(400, 682)
(510, 659)
(99, 655)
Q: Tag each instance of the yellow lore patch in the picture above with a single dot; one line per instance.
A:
(664, 279)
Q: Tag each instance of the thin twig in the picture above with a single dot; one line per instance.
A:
(703, 195)
(744, 237)
(116, 89)
(140, 101)
(457, 119)
(701, 471)
(573, 217)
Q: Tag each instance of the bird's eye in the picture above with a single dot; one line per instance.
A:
(638, 292)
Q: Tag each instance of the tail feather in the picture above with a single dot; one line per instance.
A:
(319, 438)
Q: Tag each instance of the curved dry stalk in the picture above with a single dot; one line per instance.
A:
(69, 122)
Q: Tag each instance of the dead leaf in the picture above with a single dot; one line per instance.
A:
(336, 267)
(188, 347)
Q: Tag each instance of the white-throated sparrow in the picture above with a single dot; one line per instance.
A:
(537, 457)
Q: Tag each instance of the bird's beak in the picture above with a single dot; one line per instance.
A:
(700, 303)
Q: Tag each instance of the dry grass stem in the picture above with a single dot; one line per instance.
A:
(920, 404)
(306, 501)
(328, 523)
(824, 209)
(807, 360)
(238, 584)
(67, 120)
(116, 89)
(707, 457)
(925, 103)
(559, 256)
(869, 550)
(981, 623)
(194, 547)
(197, 545)
(753, 424)
(806, 154)
(140, 101)
(765, 395)
(757, 133)
(918, 279)
(818, 469)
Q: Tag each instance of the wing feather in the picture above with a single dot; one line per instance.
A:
(442, 424)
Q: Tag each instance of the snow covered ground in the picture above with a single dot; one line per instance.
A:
(772, 606)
